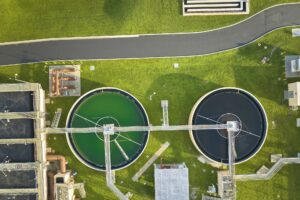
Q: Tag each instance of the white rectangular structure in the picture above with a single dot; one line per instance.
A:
(292, 66)
(296, 32)
(295, 65)
(215, 7)
(171, 182)
(298, 122)
(294, 101)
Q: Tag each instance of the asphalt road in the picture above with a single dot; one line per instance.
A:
(144, 46)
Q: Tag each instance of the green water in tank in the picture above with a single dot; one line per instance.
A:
(108, 107)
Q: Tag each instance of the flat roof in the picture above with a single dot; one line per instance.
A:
(288, 66)
(171, 183)
(295, 88)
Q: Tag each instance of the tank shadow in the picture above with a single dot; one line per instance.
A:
(182, 91)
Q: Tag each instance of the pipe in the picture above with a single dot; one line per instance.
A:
(50, 175)
(60, 158)
(57, 84)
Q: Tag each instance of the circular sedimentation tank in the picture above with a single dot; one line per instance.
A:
(107, 106)
(219, 107)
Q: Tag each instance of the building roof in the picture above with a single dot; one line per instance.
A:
(171, 182)
(296, 32)
(292, 66)
(294, 100)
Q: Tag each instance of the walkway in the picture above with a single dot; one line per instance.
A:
(272, 171)
(156, 155)
(145, 46)
(123, 129)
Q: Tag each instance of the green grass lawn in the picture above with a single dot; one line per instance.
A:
(182, 87)
(35, 19)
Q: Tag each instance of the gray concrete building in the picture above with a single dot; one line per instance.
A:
(292, 66)
(171, 182)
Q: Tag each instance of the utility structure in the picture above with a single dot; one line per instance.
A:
(110, 129)
(164, 105)
(23, 146)
(229, 124)
(227, 180)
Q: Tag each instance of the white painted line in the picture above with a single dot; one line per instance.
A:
(127, 138)
(86, 119)
(250, 133)
(67, 39)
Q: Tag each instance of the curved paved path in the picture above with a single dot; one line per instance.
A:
(144, 46)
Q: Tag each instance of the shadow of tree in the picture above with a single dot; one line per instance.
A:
(118, 10)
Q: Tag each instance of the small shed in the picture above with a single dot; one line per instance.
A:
(171, 182)
(292, 66)
(296, 32)
(294, 94)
